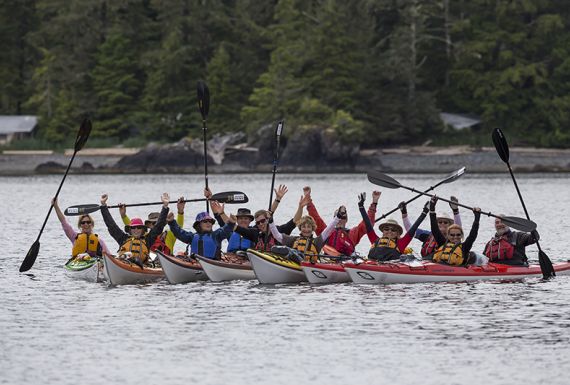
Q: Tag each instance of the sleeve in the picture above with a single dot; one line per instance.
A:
(224, 232)
(250, 233)
(329, 229)
(406, 239)
(126, 220)
(170, 239)
(181, 234)
(420, 234)
(369, 229)
(457, 219)
(357, 232)
(104, 247)
(219, 219)
(439, 238)
(468, 244)
(287, 228)
(406, 222)
(524, 239)
(288, 240)
(68, 230)
(321, 225)
(117, 234)
(275, 232)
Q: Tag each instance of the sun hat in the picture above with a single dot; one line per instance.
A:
(391, 222)
(203, 216)
(152, 218)
(243, 212)
(135, 222)
(444, 217)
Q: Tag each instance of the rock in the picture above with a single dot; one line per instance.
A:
(50, 167)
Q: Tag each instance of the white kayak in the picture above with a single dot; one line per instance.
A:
(90, 270)
(180, 269)
(230, 268)
(271, 268)
(121, 272)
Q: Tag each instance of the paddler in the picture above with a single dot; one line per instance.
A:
(429, 245)
(135, 244)
(391, 245)
(508, 246)
(86, 244)
(342, 239)
(451, 249)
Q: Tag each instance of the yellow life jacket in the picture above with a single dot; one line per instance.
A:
(307, 247)
(86, 243)
(449, 253)
(136, 246)
(385, 242)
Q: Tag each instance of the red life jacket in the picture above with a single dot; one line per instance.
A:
(499, 248)
(429, 246)
(160, 244)
(262, 245)
(340, 240)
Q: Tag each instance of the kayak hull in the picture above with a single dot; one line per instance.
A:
(424, 272)
(119, 272)
(178, 270)
(90, 271)
(272, 269)
(219, 271)
(322, 273)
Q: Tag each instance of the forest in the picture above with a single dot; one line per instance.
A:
(377, 72)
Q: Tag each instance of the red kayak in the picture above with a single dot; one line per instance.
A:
(423, 271)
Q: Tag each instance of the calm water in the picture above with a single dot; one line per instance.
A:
(58, 331)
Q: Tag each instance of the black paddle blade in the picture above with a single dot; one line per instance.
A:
(545, 265)
(203, 99)
(501, 145)
(520, 224)
(83, 134)
(279, 129)
(454, 175)
(383, 180)
(30, 257)
(230, 197)
(73, 211)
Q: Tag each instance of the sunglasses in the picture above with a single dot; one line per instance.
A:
(259, 222)
(390, 229)
(455, 234)
(86, 222)
(137, 227)
(442, 222)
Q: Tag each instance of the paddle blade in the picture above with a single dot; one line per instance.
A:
(546, 265)
(520, 224)
(73, 211)
(501, 145)
(30, 257)
(454, 175)
(231, 197)
(83, 134)
(279, 129)
(383, 180)
(203, 99)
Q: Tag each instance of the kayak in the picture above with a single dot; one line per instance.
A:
(90, 270)
(231, 267)
(121, 272)
(424, 271)
(324, 272)
(180, 269)
(271, 268)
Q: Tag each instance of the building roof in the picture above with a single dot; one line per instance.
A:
(10, 124)
(459, 121)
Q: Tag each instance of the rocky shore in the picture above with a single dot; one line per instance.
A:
(310, 150)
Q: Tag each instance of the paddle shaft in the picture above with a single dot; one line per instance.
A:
(205, 161)
(275, 160)
(410, 201)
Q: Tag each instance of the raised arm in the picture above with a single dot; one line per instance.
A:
(468, 244)
(407, 238)
(439, 237)
(181, 234)
(276, 234)
(455, 209)
(304, 201)
(279, 194)
(118, 235)
(161, 222)
(67, 229)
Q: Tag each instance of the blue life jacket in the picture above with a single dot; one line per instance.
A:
(237, 242)
(205, 245)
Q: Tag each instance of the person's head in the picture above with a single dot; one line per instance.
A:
(151, 220)
(500, 227)
(307, 225)
(261, 219)
(204, 223)
(137, 228)
(85, 223)
(391, 229)
(342, 222)
(454, 234)
(443, 222)
(244, 217)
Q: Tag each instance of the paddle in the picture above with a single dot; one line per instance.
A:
(278, 132)
(223, 197)
(384, 180)
(204, 106)
(502, 147)
(450, 178)
(80, 140)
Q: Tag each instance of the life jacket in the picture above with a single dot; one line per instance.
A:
(86, 243)
(340, 240)
(499, 248)
(449, 253)
(205, 246)
(160, 244)
(429, 246)
(265, 242)
(136, 246)
(384, 249)
(238, 242)
(306, 246)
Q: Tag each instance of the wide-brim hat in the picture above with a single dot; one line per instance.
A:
(201, 217)
(444, 217)
(391, 222)
(243, 212)
(152, 218)
(135, 222)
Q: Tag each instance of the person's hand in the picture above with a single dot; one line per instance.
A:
(375, 196)
(122, 210)
(535, 234)
(280, 192)
(269, 216)
(104, 198)
(232, 218)
(180, 204)
(361, 199)
(341, 212)
(477, 211)
(54, 202)
(307, 190)
(217, 207)
(432, 203)
(403, 207)
(170, 217)
(453, 204)
(425, 210)
(304, 200)
(207, 193)
(165, 198)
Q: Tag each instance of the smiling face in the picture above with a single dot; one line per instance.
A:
(500, 227)
(390, 232)
(206, 226)
(86, 224)
(454, 234)
(243, 221)
(137, 231)
(443, 225)
(306, 229)
(261, 222)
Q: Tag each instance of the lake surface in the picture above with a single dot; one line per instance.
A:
(59, 331)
